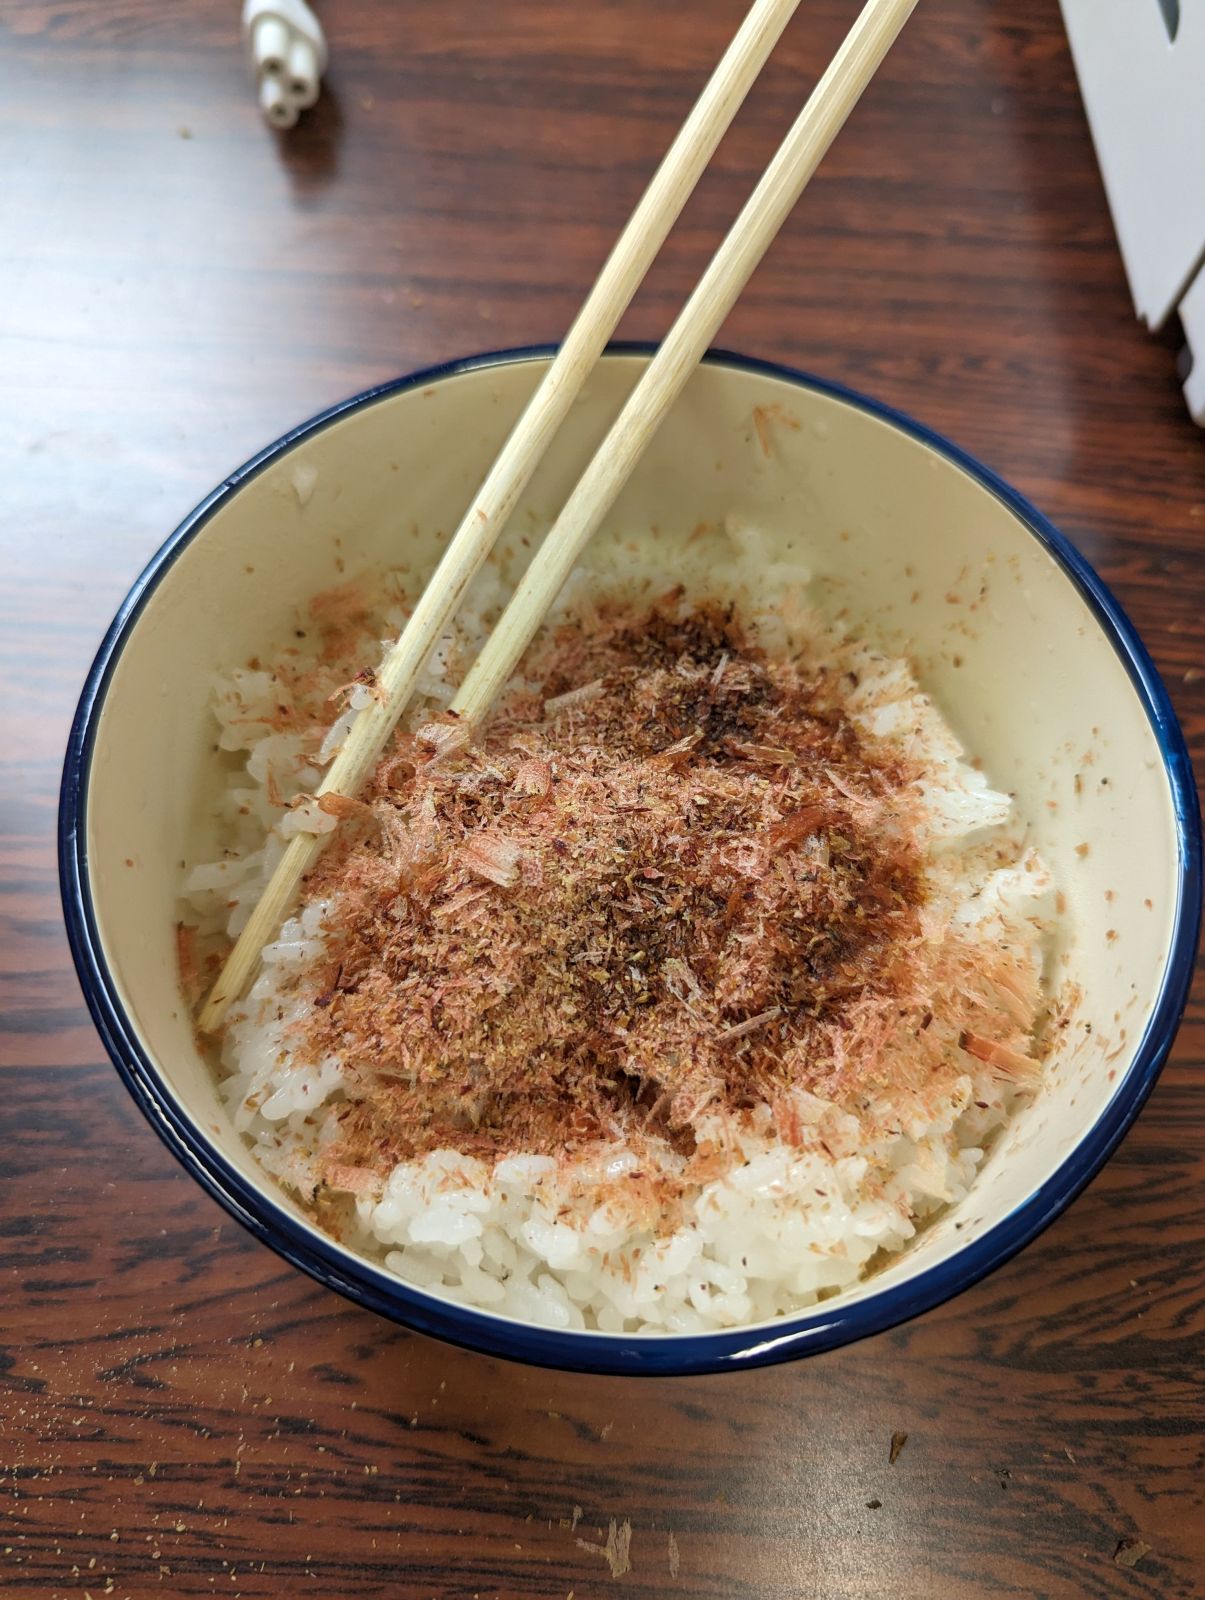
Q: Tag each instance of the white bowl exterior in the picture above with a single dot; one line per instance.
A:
(920, 556)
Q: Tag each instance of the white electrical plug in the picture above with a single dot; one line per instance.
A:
(288, 55)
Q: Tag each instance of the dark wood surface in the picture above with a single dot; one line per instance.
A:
(182, 1414)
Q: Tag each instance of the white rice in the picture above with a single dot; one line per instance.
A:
(786, 1226)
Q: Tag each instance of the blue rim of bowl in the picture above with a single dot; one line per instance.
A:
(822, 1327)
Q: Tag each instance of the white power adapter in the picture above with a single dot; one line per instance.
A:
(288, 55)
(1141, 67)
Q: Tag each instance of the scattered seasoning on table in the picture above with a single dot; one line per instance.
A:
(1130, 1552)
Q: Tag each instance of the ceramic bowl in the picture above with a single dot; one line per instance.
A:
(926, 551)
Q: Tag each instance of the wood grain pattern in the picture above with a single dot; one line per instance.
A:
(181, 1414)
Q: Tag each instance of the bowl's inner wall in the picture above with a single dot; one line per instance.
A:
(920, 556)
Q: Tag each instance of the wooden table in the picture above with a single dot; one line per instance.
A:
(185, 1416)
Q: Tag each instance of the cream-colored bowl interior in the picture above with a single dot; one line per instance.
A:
(915, 551)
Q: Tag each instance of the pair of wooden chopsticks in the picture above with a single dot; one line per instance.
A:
(833, 98)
